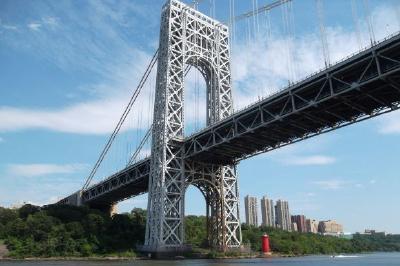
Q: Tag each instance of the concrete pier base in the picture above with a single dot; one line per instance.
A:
(164, 252)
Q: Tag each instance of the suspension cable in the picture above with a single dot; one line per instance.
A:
(324, 41)
(369, 22)
(142, 142)
(397, 11)
(122, 120)
(258, 11)
(268, 23)
(356, 22)
(254, 6)
(288, 29)
(147, 135)
(231, 15)
(292, 29)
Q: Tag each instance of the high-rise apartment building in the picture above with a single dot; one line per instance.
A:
(312, 226)
(250, 205)
(267, 212)
(294, 227)
(300, 220)
(330, 227)
(282, 215)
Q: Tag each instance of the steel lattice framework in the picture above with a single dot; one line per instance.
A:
(188, 37)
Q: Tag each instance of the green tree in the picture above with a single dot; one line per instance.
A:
(27, 210)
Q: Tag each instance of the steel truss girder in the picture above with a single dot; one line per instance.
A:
(188, 37)
(358, 88)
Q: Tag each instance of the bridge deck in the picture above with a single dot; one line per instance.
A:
(361, 87)
(129, 182)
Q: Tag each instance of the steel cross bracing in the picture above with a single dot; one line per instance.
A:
(188, 37)
(358, 88)
(361, 87)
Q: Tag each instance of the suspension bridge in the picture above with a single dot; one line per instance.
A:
(362, 86)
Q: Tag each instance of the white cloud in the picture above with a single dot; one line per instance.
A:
(10, 27)
(51, 21)
(308, 160)
(34, 26)
(333, 184)
(33, 170)
(372, 181)
(85, 118)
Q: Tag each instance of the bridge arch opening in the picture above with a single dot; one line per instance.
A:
(195, 225)
(195, 98)
(201, 222)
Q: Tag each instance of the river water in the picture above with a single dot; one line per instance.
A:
(384, 259)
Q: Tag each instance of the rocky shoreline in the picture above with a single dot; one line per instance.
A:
(3, 251)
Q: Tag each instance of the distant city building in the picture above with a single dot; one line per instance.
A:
(250, 205)
(312, 226)
(330, 227)
(294, 227)
(267, 212)
(282, 215)
(300, 221)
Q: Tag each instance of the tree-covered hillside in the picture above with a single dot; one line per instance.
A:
(64, 231)
(69, 231)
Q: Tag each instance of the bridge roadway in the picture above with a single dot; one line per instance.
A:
(362, 86)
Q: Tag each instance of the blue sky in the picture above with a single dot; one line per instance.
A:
(68, 69)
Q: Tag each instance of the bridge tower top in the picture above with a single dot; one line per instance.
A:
(194, 39)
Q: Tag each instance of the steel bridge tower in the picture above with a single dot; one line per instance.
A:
(189, 38)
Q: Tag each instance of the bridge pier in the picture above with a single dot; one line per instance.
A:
(76, 199)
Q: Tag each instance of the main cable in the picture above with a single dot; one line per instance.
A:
(121, 120)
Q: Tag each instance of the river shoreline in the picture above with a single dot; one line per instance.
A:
(117, 258)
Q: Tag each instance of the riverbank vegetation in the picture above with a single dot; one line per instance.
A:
(68, 231)
(295, 243)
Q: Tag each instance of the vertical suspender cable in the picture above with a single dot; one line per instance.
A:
(231, 16)
(397, 11)
(254, 17)
(256, 24)
(248, 31)
(288, 40)
(324, 41)
(292, 39)
(257, 20)
(356, 22)
(233, 21)
(212, 8)
(369, 22)
(268, 23)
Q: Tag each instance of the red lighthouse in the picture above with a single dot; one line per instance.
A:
(265, 244)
